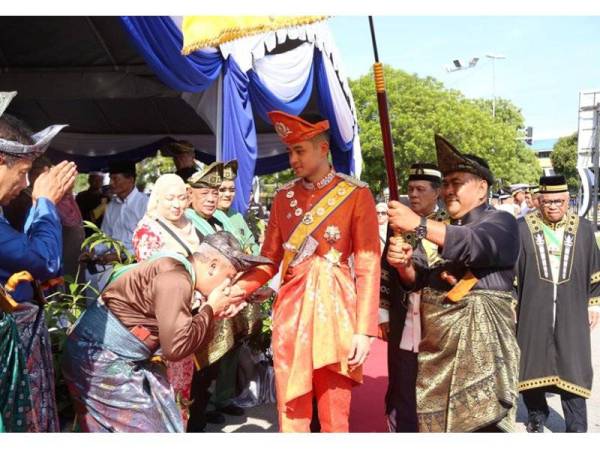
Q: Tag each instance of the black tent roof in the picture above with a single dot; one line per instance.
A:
(84, 71)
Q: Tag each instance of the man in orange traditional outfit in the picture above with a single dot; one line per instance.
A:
(325, 315)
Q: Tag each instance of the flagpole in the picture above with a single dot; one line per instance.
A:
(384, 118)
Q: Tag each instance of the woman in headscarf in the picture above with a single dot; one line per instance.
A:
(164, 228)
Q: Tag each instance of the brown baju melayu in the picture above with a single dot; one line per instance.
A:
(159, 297)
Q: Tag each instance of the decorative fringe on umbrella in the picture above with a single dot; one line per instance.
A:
(211, 31)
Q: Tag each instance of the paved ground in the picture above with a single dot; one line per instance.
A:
(264, 418)
(555, 421)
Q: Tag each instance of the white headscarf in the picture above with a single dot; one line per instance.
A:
(164, 182)
(187, 233)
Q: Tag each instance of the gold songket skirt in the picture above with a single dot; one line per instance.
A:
(468, 362)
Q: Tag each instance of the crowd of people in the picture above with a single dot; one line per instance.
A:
(479, 296)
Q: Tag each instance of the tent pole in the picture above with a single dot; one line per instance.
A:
(219, 127)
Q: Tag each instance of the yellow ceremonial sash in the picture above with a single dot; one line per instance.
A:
(464, 285)
(462, 288)
(312, 219)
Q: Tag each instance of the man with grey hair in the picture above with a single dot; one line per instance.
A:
(37, 250)
(110, 356)
(558, 293)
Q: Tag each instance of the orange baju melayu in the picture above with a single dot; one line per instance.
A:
(322, 303)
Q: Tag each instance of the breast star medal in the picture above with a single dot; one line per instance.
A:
(333, 256)
(332, 234)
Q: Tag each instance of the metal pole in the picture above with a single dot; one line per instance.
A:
(494, 88)
(219, 133)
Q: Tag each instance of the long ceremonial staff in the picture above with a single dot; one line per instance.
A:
(384, 118)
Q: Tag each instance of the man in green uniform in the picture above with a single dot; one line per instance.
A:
(219, 361)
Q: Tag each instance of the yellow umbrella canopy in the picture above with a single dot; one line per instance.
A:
(212, 31)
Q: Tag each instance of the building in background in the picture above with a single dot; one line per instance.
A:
(542, 149)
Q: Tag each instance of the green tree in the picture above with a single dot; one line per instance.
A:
(149, 169)
(564, 160)
(421, 107)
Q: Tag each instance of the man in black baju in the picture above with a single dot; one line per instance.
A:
(468, 356)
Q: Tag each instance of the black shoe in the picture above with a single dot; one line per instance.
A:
(536, 423)
(215, 417)
(232, 410)
(195, 428)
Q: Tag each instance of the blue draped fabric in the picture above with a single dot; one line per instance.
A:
(90, 163)
(341, 151)
(239, 132)
(272, 164)
(264, 101)
(159, 41)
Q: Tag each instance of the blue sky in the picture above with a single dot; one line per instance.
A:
(548, 59)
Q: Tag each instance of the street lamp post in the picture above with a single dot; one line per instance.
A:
(494, 58)
(457, 64)
(595, 159)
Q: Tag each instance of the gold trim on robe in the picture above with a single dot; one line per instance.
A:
(554, 381)
(594, 301)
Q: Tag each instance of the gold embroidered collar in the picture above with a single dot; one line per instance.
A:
(321, 183)
(555, 225)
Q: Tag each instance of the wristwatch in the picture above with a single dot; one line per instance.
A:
(421, 230)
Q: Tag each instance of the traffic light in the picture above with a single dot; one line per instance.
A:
(529, 135)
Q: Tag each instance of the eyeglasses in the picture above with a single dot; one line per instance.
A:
(553, 202)
(382, 213)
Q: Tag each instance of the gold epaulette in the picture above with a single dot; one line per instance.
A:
(352, 180)
(288, 185)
